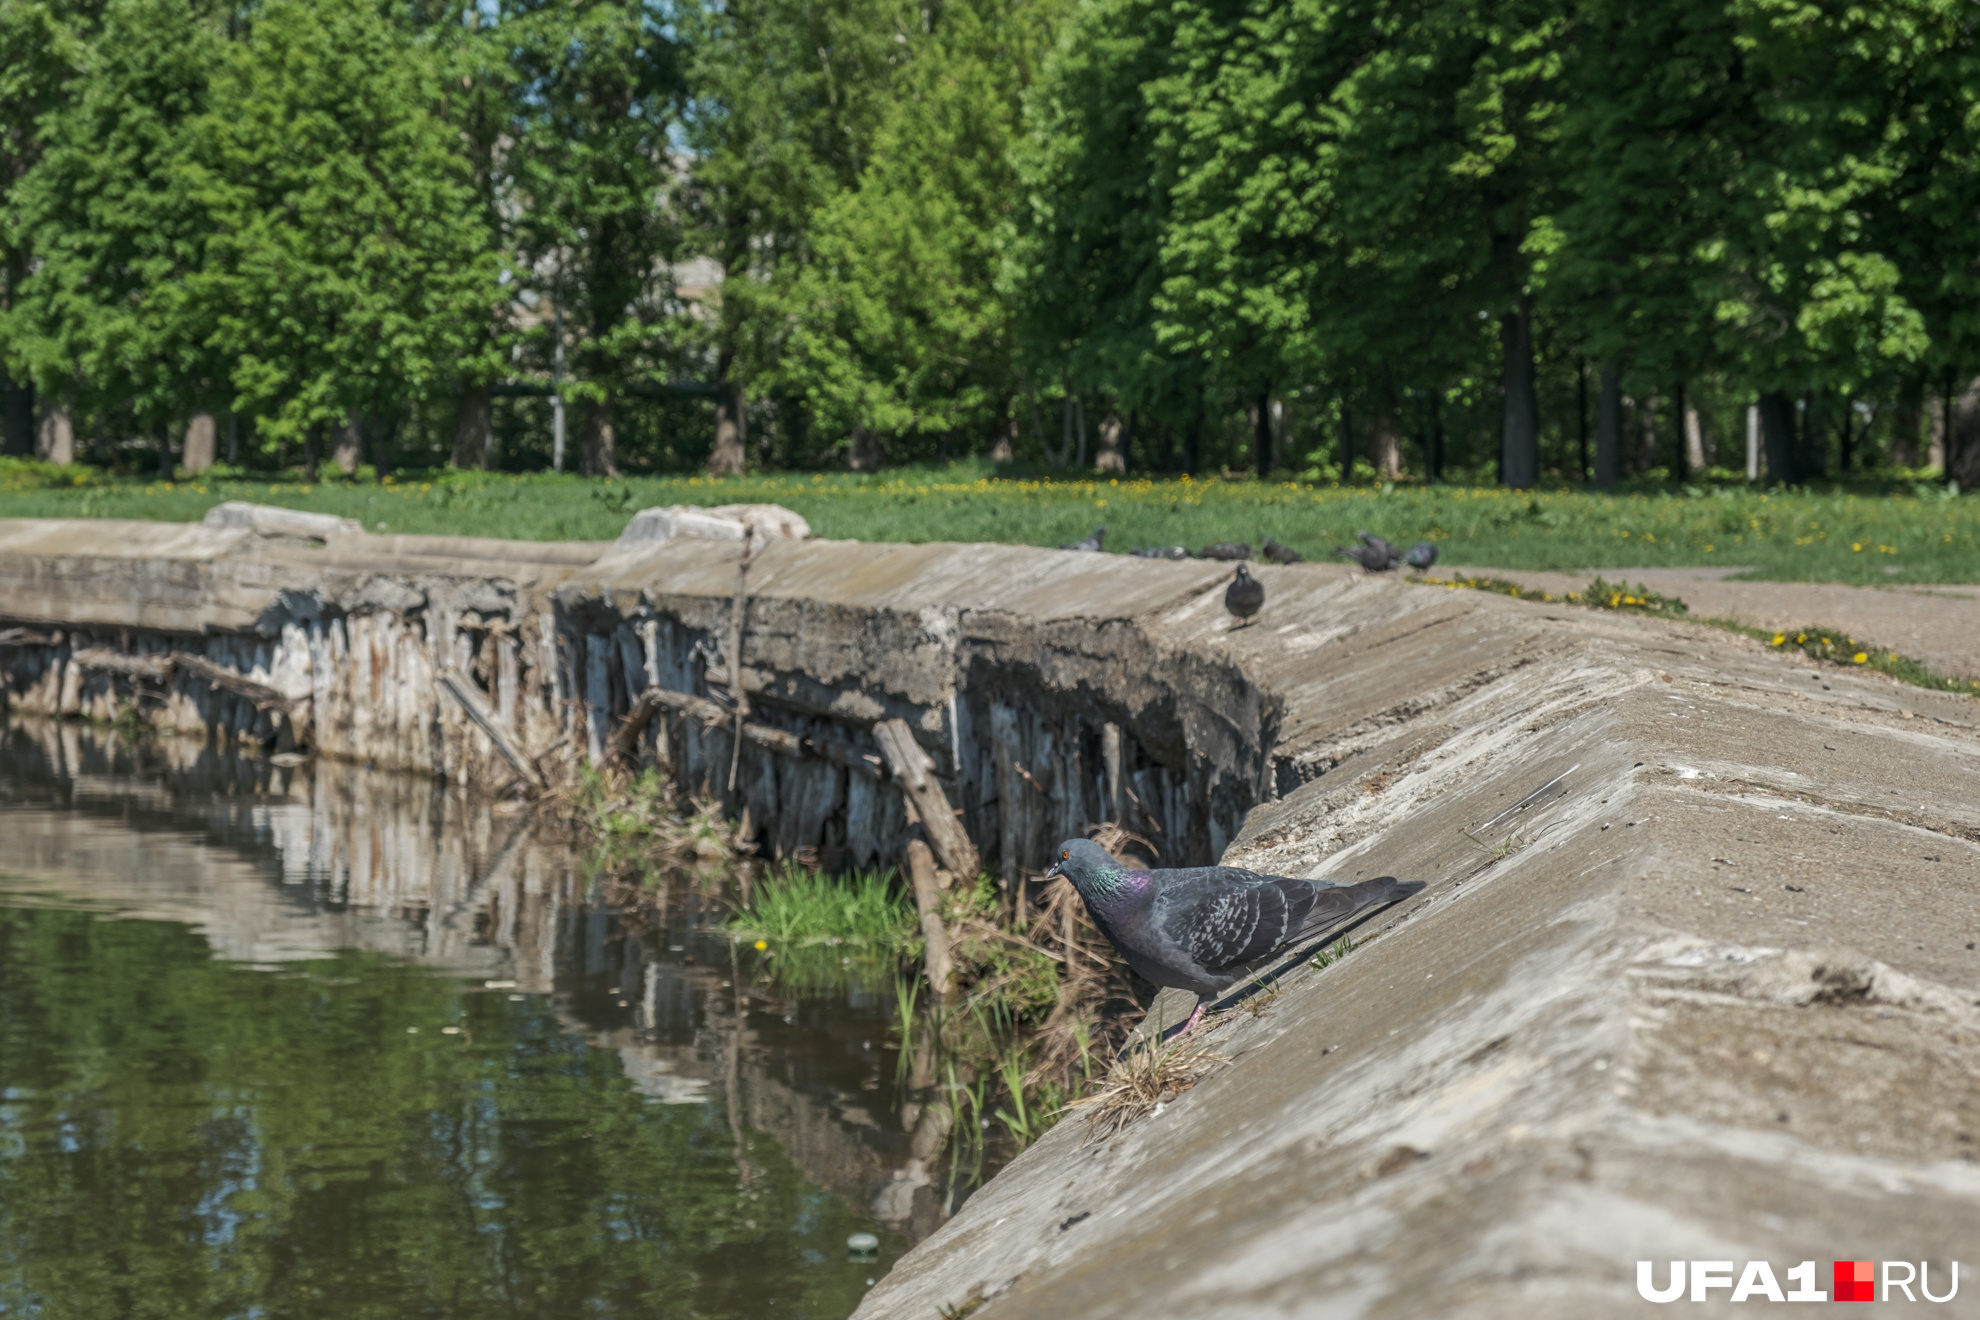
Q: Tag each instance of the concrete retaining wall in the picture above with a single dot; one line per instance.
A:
(1695, 976)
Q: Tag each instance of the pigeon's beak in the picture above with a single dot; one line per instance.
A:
(1057, 869)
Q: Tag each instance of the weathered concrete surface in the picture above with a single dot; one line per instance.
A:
(1691, 978)
(1717, 999)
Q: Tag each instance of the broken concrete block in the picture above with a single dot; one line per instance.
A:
(267, 520)
(728, 522)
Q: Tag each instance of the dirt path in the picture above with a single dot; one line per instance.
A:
(1939, 625)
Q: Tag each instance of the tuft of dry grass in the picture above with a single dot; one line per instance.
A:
(1142, 1080)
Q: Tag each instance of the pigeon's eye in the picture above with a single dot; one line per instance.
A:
(1064, 854)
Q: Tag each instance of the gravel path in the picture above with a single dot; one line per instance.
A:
(1938, 625)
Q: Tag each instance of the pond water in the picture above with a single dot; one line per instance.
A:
(307, 1041)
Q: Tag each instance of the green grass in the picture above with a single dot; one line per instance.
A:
(1842, 535)
(816, 933)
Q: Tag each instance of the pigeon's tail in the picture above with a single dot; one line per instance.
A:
(1337, 906)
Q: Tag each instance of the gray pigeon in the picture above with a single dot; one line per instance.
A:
(1091, 543)
(1205, 928)
(1373, 554)
(1245, 596)
(1225, 550)
(1420, 556)
(1281, 554)
(1160, 552)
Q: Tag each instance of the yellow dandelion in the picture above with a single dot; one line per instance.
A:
(1860, 657)
(762, 945)
(1779, 638)
(1856, 546)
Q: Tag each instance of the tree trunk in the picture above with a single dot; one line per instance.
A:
(1346, 441)
(1385, 447)
(474, 430)
(1646, 432)
(1581, 414)
(1079, 424)
(17, 401)
(1608, 428)
(601, 457)
(165, 453)
(1904, 423)
(1519, 449)
(196, 451)
(1696, 457)
(1003, 446)
(1192, 444)
(1777, 437)
(1112, 456)
(729, 456)
(1681, 465)
(1261, 435)
(55, 438)
(1437, 439)
(1963, 465)
(312, 444)
(348, 453)
(863, 451)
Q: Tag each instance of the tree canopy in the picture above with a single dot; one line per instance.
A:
(1298, 234)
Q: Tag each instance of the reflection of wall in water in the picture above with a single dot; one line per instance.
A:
(274, 865)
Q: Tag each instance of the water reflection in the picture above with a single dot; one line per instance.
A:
(355, 1046)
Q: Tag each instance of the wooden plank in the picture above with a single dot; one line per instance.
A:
(711, 713)
(464, 692)
(934, 935)
(915, 773)
(228, 680)
(157, 668)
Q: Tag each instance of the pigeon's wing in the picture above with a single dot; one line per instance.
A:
(1221, 916)
(1334, 906)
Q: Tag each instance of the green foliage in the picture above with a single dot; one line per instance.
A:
(797, 906)
(1836, 647)
(348, 258)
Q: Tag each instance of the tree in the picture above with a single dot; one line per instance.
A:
(788, 100)
(113, 215)
(895, 326)
(349, 259)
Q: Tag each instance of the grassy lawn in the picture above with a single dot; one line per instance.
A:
(1837, 536)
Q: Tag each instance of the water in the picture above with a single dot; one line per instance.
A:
(297, 1042)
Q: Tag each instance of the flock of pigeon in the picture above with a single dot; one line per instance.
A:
(1246, 594)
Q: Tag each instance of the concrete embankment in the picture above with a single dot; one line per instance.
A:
(1692, 978)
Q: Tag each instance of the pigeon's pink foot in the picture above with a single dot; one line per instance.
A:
(1194, 1018)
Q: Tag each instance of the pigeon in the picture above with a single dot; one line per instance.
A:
(1160, 552)
(1420, 556)
(1373, 554)
(1091, 543)
(1245, 596)
(1205, 928)
(1282, 554)
(1225, 550)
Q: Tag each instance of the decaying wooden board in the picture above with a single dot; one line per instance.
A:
(227, 680)
(157, 668)
(457, 686)
(916, 774)
(934, 935)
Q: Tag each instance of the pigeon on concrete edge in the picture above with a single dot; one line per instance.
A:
(1420, 556)
(1091, 544)
(1245, 596)
(1205, 928)
(1373, 554)
(1226, 550)
(1281, 554)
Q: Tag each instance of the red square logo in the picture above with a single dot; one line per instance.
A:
(1856, 1281)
